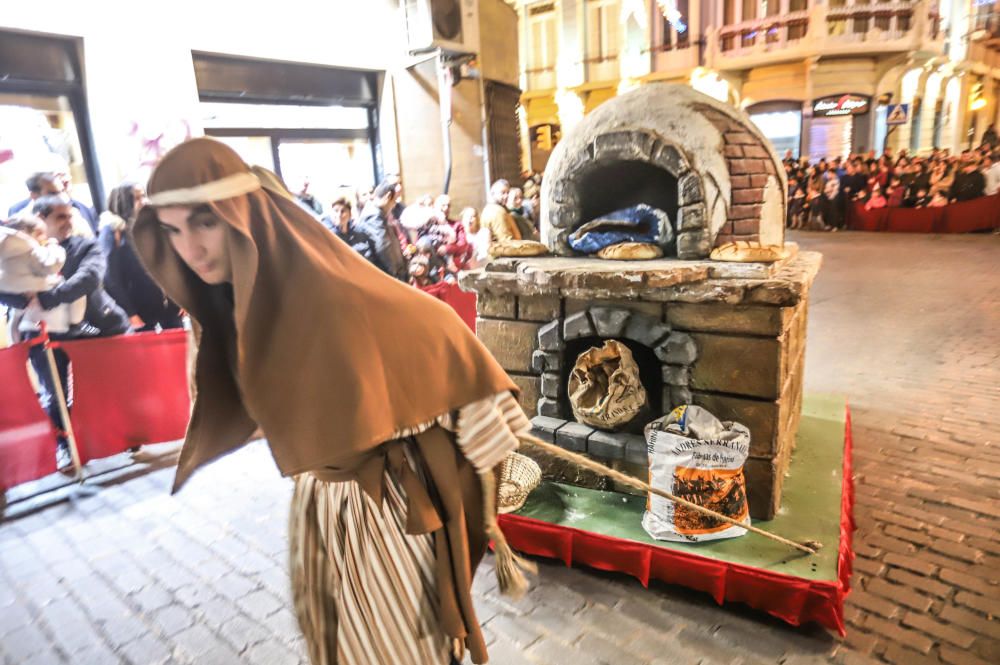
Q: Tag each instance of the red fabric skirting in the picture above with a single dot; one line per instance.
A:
(27, 437)
(792, 599)
(129, 391)
(980, 214)
(463, 302)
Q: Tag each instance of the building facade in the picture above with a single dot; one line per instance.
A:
(821, 78)
(338, 94)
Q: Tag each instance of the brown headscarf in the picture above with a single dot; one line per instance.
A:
(329, 355)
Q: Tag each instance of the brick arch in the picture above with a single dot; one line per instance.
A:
(690, 235)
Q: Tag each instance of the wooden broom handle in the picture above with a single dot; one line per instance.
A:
(809, 548)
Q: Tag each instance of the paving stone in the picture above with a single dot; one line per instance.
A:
(241, 632)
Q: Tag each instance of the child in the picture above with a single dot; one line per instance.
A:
(877, 200)
(30, 262)
(895, 192)
(420, 272)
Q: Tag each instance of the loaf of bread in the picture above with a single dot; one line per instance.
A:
(630, 251)
(748, 251)
(517, 248)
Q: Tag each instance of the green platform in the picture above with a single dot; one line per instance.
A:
(810, 505)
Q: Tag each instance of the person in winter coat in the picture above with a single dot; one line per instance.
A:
(969, 183)
(83, 274)
(126, 280)
(377, 223)
(340, 223)
(30, 262)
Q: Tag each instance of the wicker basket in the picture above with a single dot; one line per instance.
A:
(518, 476)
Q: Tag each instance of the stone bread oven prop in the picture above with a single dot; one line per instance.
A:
(727, 336)
(700, 161)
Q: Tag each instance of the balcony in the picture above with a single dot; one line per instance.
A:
(541, 78)
(602, 68)
(823, 30)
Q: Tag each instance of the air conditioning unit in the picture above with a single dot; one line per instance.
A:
(438, 24)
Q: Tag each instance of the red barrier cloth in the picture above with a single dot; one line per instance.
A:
(794, 600)
(27, 437)
(463, 302)
(914, 220)
(128, 391)
(982, 214)
(859, 219)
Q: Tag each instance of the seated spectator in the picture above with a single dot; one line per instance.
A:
(515, 206)
(920, 199)
(126, 280)
(496, 218)
(876, 200)
(992, 174)
(969, 182)
(895, 192)
(340, 223)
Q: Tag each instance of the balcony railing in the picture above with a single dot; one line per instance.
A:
(893, 20)
(822, 28)
(767, 34)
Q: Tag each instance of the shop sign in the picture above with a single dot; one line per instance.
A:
(840, 105)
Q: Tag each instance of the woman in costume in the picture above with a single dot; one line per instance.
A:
(382, 404)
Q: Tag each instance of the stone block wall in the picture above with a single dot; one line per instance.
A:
(747, 365)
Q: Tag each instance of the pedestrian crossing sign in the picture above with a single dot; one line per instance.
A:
(897, 114)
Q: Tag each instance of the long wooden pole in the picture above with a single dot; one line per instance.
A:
(809, 547)
(64, 411)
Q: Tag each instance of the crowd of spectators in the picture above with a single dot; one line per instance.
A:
(425, 243)
(819, 194)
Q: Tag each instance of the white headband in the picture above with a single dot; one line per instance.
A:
(224, 188)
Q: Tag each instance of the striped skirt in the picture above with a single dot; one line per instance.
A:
(365, 591)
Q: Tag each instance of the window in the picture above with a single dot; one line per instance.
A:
(542, 38)
(602, 30)
(729, 12)
(309, 124)
(43, 119)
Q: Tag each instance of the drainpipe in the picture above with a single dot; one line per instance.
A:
(444, 102)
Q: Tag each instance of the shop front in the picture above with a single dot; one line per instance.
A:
(840, 124)
(781, 123)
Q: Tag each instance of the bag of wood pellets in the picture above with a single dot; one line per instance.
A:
(604, 388)
(696, 457)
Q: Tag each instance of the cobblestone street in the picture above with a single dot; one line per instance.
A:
(906, 326)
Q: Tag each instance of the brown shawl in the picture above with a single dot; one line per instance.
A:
(331, 355)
